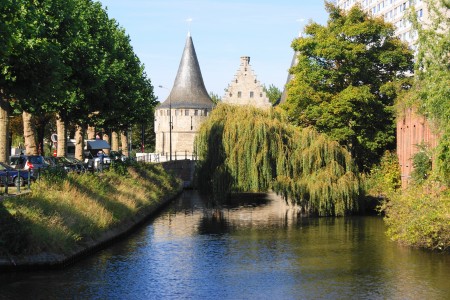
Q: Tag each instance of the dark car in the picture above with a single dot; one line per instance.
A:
(26, 162)
(117, 155)
(61, 162)
(81, 166)
(13, 176)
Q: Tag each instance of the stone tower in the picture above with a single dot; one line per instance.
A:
(186, 107)
(245, 89)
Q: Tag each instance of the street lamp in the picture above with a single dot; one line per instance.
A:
(170, 123)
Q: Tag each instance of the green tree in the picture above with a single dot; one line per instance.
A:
(346, 81)
(432, 85)
(273, 93)
(215, 97)
(68, 58)
(245, 149)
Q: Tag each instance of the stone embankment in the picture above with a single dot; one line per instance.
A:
(54, 259)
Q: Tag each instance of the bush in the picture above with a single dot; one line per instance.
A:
(385, 178)
(420, 216)
(422, 165)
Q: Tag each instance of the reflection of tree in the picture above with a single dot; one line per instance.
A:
(213, 222)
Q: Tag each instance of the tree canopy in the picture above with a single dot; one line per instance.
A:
(346, 81)
(273, 93)
(244, 149)
(69, 58)
(431, 90)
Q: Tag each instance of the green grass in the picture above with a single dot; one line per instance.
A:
(60, 215)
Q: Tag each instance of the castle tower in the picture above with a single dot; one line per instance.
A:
(245, 89)
(186, 107)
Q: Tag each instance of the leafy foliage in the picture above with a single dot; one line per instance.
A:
(214, 97)
(346, 80)
(419, 216)
(432, 86)
(68, 58)
(385, 178)
(244, 149)
(422, 164)
(273, 93)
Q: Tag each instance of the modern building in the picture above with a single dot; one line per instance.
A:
(393, 11)
(178, 118)
(245, 89)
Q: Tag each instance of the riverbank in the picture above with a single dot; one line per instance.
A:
(64, 219)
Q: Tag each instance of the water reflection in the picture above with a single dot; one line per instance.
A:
(246, 248)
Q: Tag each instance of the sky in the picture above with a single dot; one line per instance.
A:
(222, 32)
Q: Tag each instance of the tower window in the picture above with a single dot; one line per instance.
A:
(251, 94)
(239, 94)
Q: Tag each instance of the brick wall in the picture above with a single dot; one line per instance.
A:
(412, 130)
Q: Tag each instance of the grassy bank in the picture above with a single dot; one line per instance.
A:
(63, 214)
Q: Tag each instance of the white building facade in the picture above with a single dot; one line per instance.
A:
(393, 11)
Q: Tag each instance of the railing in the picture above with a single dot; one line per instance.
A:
(163, 157)
(12, 185)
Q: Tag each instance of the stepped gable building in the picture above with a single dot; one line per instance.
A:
(245, 89)
(186, 107)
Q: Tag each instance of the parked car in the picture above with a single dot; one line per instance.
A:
(26, 162)
(98, 162)
(81, 166)
(62, 162)
(13, 176)
(117, 155)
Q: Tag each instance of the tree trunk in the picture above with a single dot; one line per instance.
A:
(5, 150)
(106, 138)
(124, 142)
(29, 134)
(114, 141)
(91, 133)
(40, 131)
(79, 142)
(62, 132)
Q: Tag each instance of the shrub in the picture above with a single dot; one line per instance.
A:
(420, 216)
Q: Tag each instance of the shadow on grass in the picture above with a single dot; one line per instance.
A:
(13, 235)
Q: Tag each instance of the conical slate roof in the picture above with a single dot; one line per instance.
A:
(289, 78)
(188, 90)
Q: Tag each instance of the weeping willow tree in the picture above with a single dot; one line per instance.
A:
(244, 149)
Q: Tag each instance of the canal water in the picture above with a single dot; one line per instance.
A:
(253, 247)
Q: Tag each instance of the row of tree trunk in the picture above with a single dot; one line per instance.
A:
(117, 140)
